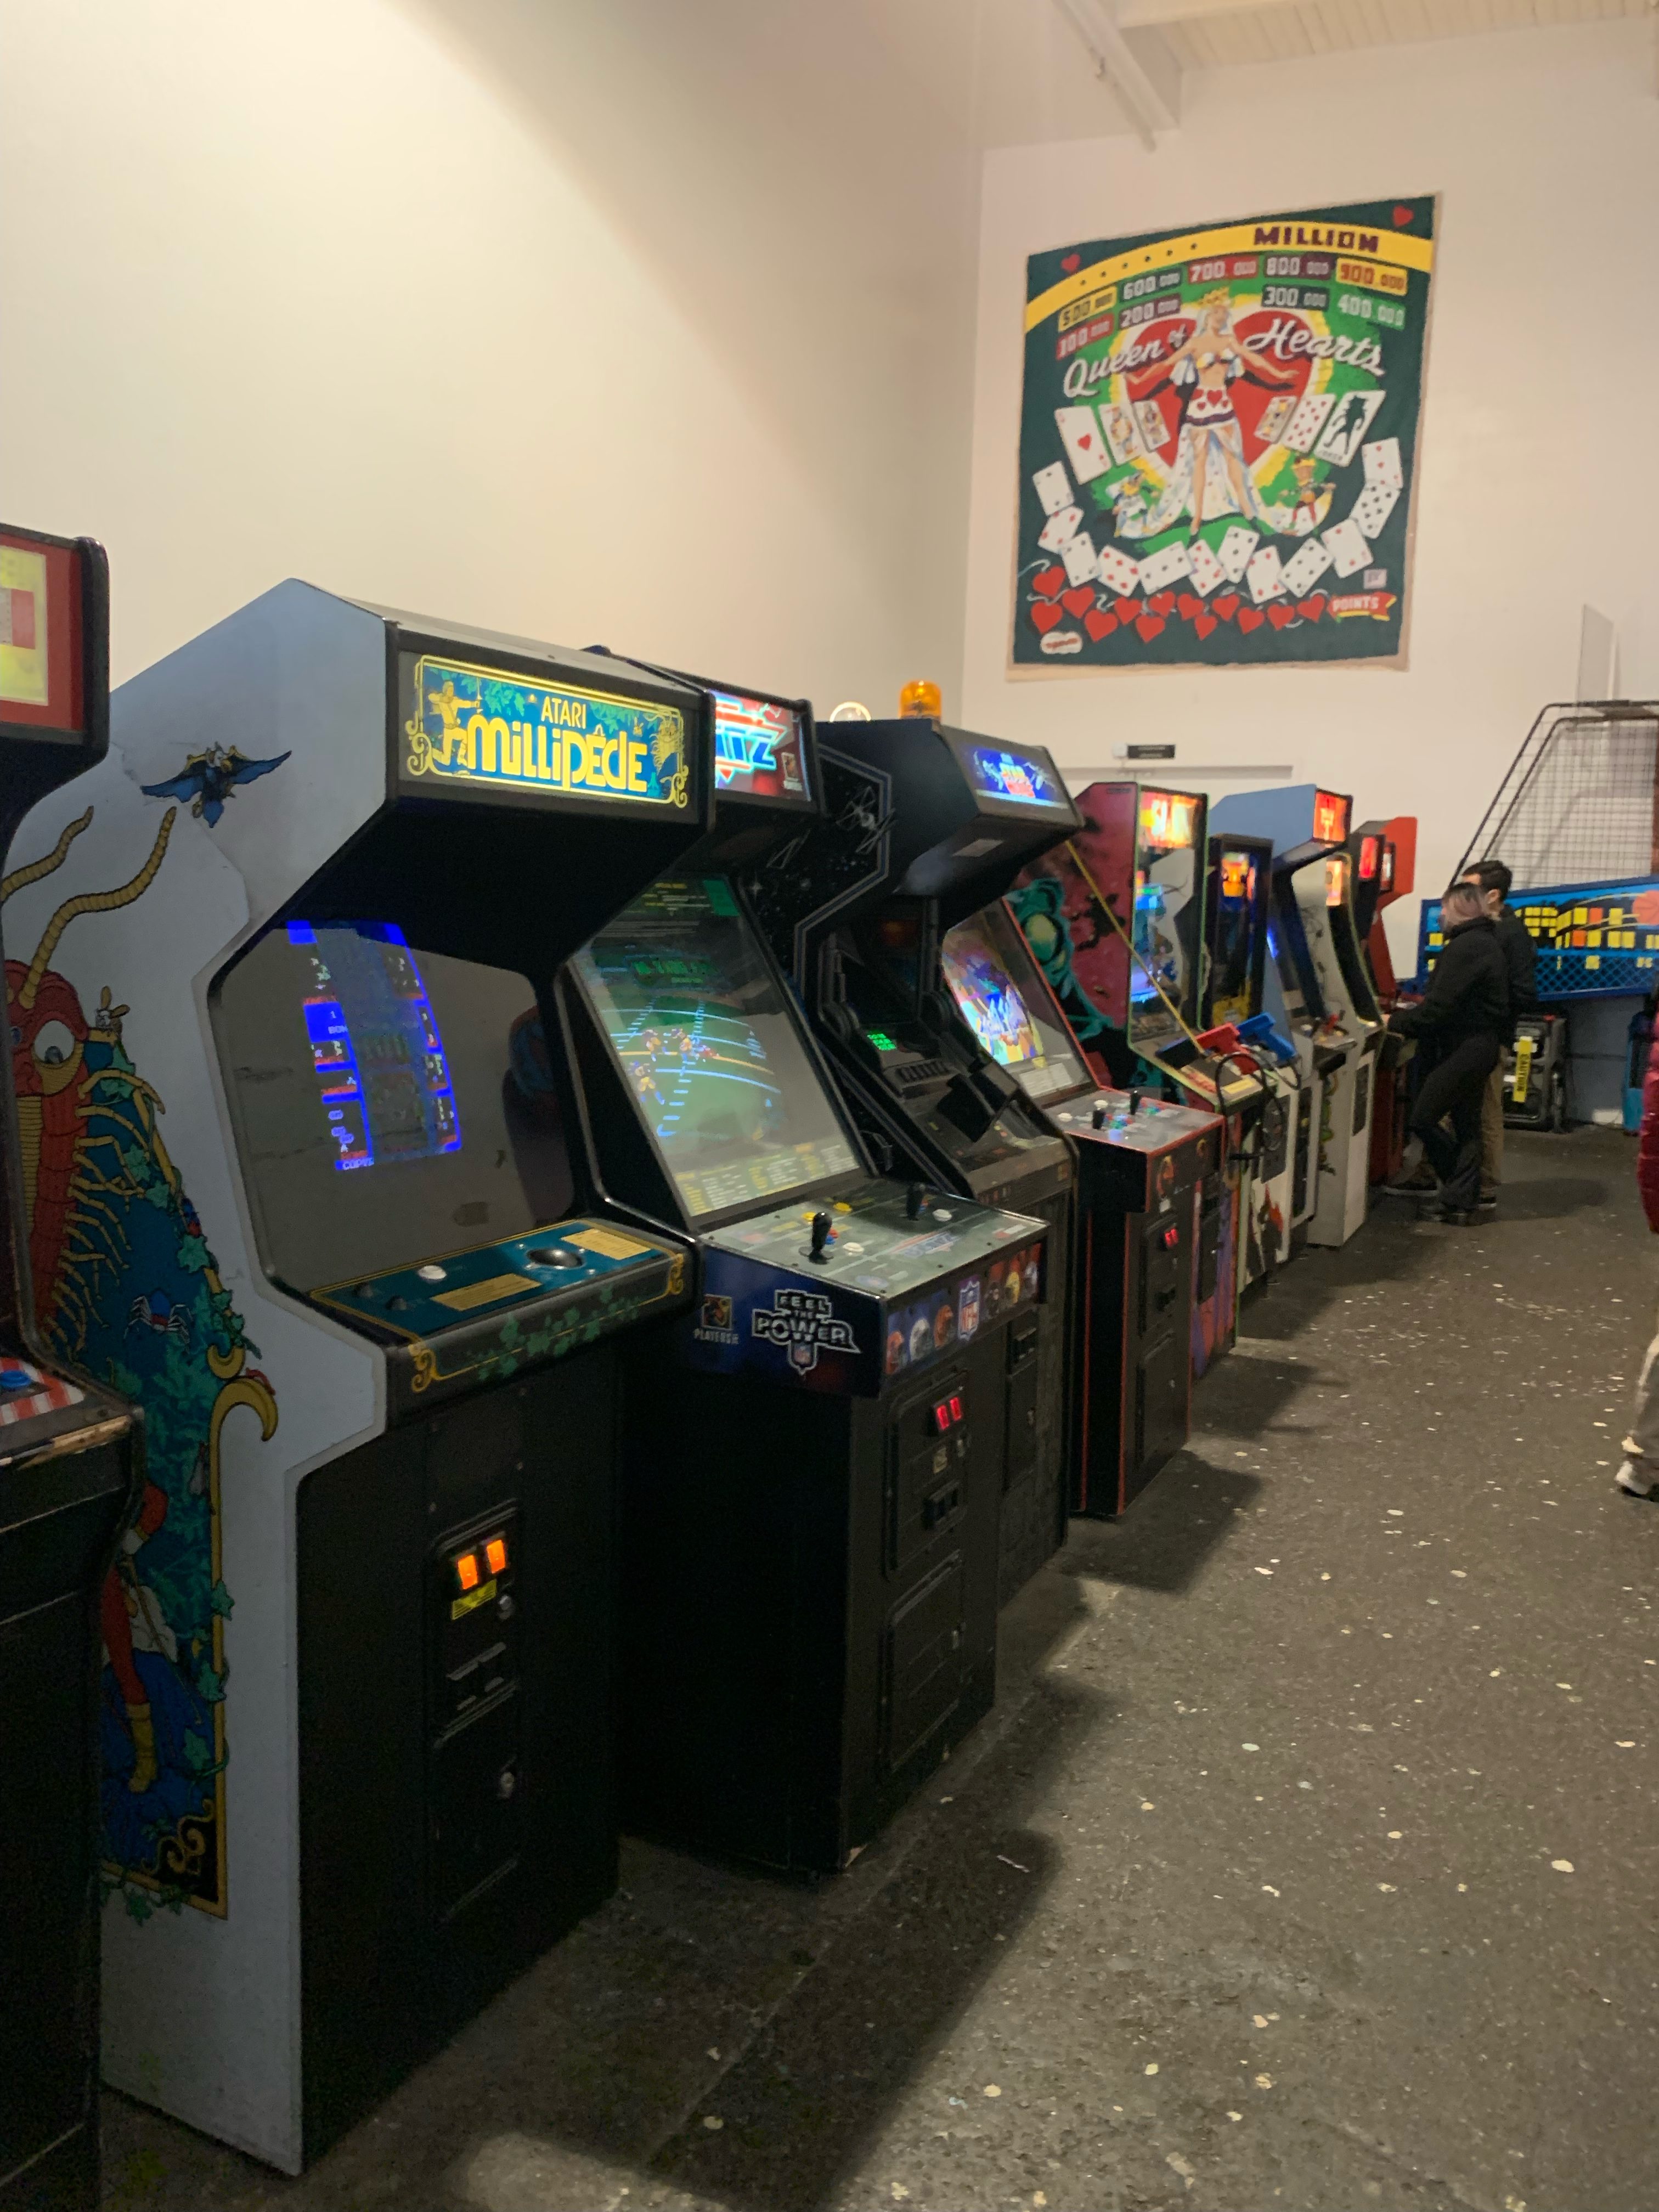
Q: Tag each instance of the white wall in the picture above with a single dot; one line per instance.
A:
(626, 320)
(1538, 473)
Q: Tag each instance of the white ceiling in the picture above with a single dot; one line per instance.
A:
(1210, 34)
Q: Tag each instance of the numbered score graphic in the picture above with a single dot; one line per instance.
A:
(1219, 441)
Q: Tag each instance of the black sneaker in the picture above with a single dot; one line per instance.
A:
(1452, 1217)
(1488, 1201)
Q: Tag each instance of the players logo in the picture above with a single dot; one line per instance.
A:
(805, 1323)
(967, 1308)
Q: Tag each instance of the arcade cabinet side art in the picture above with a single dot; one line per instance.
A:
(126, 1286)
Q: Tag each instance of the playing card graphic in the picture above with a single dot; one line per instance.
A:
(1382, 460)
(1350, 420)
(1061, 526)
(1373, 507)
(1207, 572)
(1305, 567)
(1163, 568)
(1306, 423)
(1264, 576)
(1118, 572)
(1347, 548)
(1153, 427)
(1235, 550)
(1054, 487)
(1080, 558)
(1085, 449)
(1270, 423)
(1122, 433)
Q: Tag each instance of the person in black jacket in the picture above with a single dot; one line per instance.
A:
(1521, 957)
(1463, 1023)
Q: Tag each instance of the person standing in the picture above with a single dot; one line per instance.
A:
(1638, 1472)
(1461, 1022)
(1521, 959)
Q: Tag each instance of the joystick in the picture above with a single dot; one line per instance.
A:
(1098, 1117)
(821, 1226)
(1134, 1100)
(915, 1198)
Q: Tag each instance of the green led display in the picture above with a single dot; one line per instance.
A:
(881, 1041)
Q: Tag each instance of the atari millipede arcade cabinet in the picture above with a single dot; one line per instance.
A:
(1325, 990)
(1139, 1166)
(356, 1728)
(815, 1457)
(69, 1461)
(921, 826)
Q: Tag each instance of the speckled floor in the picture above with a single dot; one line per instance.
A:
(1309, 1860)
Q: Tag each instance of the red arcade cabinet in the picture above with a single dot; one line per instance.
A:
(1385, 869)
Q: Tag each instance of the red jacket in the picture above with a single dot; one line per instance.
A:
(1647, 1146)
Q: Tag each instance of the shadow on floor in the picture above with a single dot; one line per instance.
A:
(1168, 1532)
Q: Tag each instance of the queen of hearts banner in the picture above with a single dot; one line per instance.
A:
(1219, 433)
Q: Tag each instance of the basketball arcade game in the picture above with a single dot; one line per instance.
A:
(923, 825)
(1140, 1165)
(360, 1287)
(1325, 991)
(71, 1463)
(811, 1509)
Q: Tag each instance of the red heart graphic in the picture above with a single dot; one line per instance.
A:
(1226, 606)
(1049, 581)
(1251, 618)
(1163, 604)
(1278, 614)
(1189, 606)
(1071, 264)
(1310, 609)
(1075, 601)
(1045, 615)
(1205, 624)
(1149, 627)
(1099, 623)
(1402, 216)
(1125, 610)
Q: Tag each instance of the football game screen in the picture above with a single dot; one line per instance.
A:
(987, 961)
(708, 1041)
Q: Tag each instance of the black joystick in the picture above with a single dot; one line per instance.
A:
(821, 1225)
(1134, 1100)
(915, 1198)
(1098, 1117)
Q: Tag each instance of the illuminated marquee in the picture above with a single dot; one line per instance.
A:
(1167, 819)
(1330, 825)
(491, 728)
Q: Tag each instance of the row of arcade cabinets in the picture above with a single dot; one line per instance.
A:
(70, 1459)
(506, 1242)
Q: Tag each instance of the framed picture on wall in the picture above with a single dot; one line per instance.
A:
(1218, 440)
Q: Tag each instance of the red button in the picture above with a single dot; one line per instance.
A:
(941, 1416)
(1171, 1238)
(956, 1409)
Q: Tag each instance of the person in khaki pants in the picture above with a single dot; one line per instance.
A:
(1639, 1471)
(1493, 879)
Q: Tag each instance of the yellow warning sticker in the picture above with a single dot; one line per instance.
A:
(489, 1293)
(1523, 1069)
(473, 1599)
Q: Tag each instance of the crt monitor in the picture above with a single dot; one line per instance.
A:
(1169, 924)
(706, 1039)
(760, 749)
(1000, 994)
(1237, 894)
(378, 1117)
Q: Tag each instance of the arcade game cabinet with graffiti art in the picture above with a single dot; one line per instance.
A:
(815, 1457)
(922, 825)
(1115, 915)
(1130, 1368)
(1241, 885)
(69, 1457)
(1383, 855)
(357, 1745)
(1324, 993)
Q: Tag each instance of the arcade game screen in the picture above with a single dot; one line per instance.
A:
(707, 1040)
(1011, 778)
(1169, 916)
(369, 1084)
(1236, 905)
(1000, 993)
(759, 753)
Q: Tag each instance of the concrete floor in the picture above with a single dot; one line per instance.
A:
(1294, 1868)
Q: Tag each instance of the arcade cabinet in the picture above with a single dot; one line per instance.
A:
(923, 825)
(1116, 916)
(1325, 991)
(1241, 881)
(357, 1741)
(70, 1450)
(1140, 1166)
(1383, 855)
(817, 1456)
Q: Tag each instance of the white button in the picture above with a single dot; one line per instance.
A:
(942, 1213)
(853, 1251)
(430, 1274)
